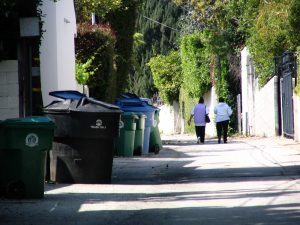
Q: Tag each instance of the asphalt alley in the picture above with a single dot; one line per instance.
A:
(246, 181)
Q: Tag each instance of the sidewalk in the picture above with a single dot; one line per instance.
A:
(247, 181)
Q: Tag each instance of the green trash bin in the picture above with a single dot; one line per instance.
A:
(24, 143)
(125, 142)
(155, 143)
(139, 134)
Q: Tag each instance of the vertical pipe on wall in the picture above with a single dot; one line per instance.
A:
(239, 112)
(247, 124)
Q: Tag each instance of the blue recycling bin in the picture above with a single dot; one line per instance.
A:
(134, 104)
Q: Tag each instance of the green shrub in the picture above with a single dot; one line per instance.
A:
(98, 41)
(269, 37)
(167, 75)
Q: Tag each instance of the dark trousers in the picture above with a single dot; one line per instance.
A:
(222, 127)
(200, 132)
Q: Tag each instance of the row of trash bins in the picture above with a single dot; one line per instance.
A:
(74, 142)
(139, 133)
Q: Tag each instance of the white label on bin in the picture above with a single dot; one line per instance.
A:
(31, 140)
(121, 124)
(98, 125)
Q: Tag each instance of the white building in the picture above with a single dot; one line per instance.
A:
(57, 59)
(21, 72)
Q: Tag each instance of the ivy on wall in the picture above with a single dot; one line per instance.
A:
(213, 57)
(186, 104)
(195, 59)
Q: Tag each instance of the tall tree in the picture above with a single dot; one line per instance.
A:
(157, 21)
(123, 23)
(273, 18)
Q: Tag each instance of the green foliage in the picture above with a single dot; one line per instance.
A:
(123, 23)
(243, 13)
(137, 83)
(294, 18)
(138, 39)
(186, 105)
(221, 78)
(195, 59)
(98, 42)
(269, 37)
(224, 27)
(157, 21)
(267, 27)
(167, 75)
(83, 71)
(84, 8)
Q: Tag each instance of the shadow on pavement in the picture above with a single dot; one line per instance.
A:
(143, 193)
(191, 165)
(158, 209)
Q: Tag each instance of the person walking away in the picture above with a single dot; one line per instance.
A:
(223, 113)
(198, 112)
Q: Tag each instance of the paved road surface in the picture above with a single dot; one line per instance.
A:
(253, 181)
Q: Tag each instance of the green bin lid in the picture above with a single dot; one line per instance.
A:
(129, 115)
(31, 121)
(140, 114)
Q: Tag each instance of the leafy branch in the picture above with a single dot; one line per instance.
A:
(83, 71)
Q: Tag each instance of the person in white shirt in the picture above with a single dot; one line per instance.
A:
(223, 113)
(198, 112)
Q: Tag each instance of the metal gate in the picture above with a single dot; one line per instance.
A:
(288, 71)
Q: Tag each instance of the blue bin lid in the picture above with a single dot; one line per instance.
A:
(130, 105)
(130, 96)
(67, 94)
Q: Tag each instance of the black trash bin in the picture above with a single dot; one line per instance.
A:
(83, 146)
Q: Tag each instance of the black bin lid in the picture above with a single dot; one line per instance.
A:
(84, 104)
(93, 105)
(68, 94)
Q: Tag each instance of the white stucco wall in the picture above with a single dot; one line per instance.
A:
(171, 121)
(169, 117)
(9, 89)
(266, 110)
(259, 105)
(296, 101)
(210, 100)
(249, 84)
(57, 48)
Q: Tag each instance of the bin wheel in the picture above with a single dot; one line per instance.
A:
(15, 189)
(156, 149)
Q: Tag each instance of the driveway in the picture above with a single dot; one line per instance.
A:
(248, 181)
